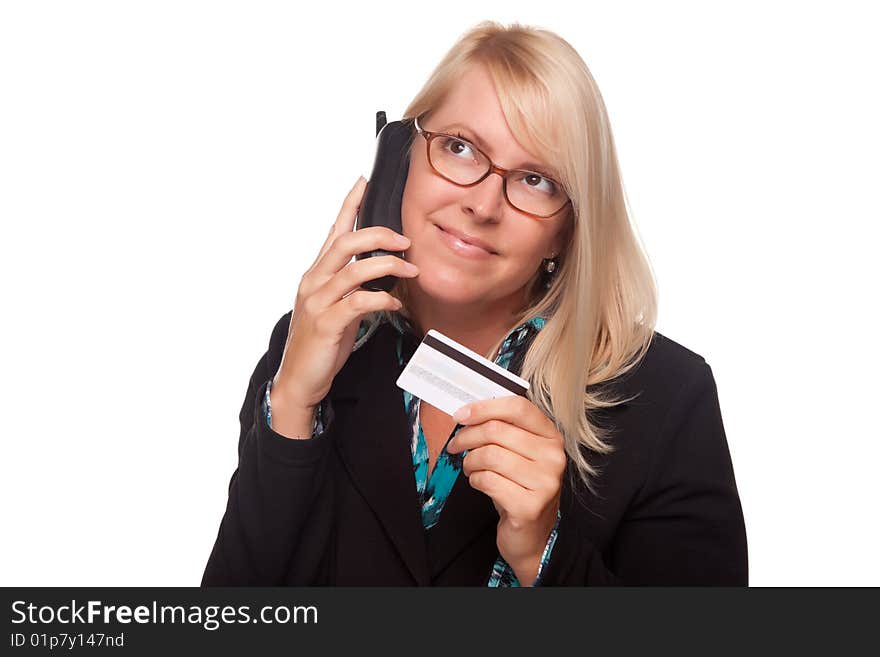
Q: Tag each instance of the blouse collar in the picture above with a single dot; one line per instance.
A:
(513, 340)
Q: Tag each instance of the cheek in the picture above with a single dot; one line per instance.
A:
(521, 265)
(410, 202)
(425, 191)
(425, 196)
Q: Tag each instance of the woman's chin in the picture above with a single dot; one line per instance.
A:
(453, 288)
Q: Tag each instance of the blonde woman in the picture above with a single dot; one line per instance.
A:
(613, 470)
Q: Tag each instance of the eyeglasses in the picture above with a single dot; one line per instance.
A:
(460, 162)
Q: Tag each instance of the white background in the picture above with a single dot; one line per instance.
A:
(168, 170)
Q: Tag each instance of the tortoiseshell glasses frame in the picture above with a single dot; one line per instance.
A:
(492, 168)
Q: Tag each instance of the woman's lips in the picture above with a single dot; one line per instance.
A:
(462, 248)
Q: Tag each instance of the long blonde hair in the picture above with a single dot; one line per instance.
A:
(601, 307)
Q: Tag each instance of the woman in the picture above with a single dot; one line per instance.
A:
(614, 470)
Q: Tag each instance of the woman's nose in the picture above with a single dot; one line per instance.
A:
(486, 198)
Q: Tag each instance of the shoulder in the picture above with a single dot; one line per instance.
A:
(668, 362)
(666, 434)
(683, 382)
(673, 426)
(687, 466)
(667, 371)
(668, 398)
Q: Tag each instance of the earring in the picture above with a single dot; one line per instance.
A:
(549, 267)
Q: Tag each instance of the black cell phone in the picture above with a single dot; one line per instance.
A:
(383, 196)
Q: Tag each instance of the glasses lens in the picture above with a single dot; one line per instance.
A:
(463, 163)
(458, 160)
(532, 192)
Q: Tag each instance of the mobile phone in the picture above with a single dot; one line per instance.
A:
(383, 196)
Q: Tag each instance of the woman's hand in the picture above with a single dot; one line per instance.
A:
(329, 306)
(517, 457)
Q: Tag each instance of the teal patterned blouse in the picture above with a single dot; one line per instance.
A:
(434, 490)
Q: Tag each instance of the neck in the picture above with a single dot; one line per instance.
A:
(478, 326)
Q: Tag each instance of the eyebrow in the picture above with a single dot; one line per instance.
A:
(533, 166)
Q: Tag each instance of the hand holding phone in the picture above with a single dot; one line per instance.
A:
(329, 306)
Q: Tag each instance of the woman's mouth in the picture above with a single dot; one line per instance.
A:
(461, 247)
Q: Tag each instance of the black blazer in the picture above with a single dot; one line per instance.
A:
(341, 509)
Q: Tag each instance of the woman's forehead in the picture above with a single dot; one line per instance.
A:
(473, 101)
(473, 106)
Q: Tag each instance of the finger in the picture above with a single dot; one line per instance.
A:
(510, 496)
(515, 409)
(358, 304)
(347, 214)
(510, 465)
(352, 276)
(501, 433)
(346, 245)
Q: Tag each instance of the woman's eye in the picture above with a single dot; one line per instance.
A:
(456, 146)
(538, 183)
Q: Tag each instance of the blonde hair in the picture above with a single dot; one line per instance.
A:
(601, 307)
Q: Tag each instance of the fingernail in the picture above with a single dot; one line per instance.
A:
(402, 239)
(462, 414)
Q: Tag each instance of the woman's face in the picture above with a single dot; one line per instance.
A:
(518, 242)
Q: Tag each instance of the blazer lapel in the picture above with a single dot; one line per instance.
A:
(375, 448)
(466, 515)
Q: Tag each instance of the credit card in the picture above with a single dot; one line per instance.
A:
(448, 375)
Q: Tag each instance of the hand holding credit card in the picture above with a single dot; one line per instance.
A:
(448, 375)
